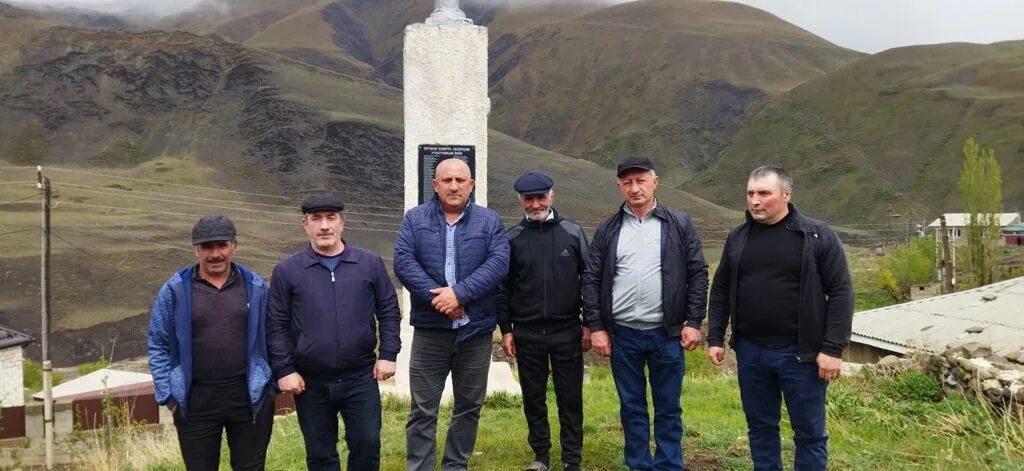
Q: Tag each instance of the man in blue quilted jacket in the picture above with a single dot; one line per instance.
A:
(208, 353)
(450, 255)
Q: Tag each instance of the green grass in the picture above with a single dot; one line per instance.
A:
(869, 429)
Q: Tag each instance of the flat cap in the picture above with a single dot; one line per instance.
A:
(634, 162)
(213, 229)
(322, 202)
(533, 183)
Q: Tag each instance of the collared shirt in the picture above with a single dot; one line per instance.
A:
(636, 288)
(220, 319)
(450, 272)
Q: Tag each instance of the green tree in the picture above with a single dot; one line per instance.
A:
(981, 185)
(907, 266)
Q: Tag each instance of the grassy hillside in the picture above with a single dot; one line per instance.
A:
(886, 131)
(672, 79)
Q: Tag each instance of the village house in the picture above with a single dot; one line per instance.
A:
(12, 386)
(956, 225)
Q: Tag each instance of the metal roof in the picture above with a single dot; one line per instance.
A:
(997, 310)
(10, 338)
(962, 219)
(101, 380)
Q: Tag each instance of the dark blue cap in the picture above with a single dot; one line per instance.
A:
(324, 202)
(213, 229)
(533, 183)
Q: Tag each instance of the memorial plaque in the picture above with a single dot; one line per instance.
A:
(432, 154)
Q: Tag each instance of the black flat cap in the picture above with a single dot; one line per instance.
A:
(634, 162)
(324, 202)
(533, 183)
(213, 229)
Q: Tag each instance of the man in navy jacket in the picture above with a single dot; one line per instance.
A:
(326, 303)
(208, 353)
(451, 256)
(784, 288)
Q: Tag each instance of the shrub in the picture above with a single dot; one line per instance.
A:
(32, 375)
(89, 367)
(912, 386)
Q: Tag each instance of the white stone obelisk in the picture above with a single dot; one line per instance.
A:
(446, 103)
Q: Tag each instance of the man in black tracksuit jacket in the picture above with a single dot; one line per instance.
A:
(539, 309)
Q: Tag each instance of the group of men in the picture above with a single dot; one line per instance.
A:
(222, 342)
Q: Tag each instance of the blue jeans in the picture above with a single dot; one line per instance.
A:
(766, 376)
(632, 349)
(356, 397)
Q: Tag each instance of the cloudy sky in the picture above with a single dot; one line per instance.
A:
(876, 25)
(865, 25)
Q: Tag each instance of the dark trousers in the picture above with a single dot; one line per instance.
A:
(632, 350)
(435, 353)
(560, 353)
(214, 408)
(766, 376)
(356, 397)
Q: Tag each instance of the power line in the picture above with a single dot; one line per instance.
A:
(163, 246)
(33, 195)
(130, 194)
(18, 232)
(168, 213)
(94, 257)
(17, 183)
(206, 188)
(354, 221)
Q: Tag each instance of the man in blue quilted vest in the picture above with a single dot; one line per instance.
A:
(450, 255)
(208, 353)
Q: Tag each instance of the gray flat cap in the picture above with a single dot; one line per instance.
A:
(213, 229)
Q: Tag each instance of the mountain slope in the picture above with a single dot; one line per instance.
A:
(887, 131)
(673, 79)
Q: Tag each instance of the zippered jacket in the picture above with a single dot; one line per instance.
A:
(542, 288)
(825, 314)
(684, 272)
(169, 340)
(481, 262)
(322, 323)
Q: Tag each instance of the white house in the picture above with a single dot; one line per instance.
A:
(956, 224)
(12, 387)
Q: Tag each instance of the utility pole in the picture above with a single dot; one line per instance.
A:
(947, 263)
(44, 281)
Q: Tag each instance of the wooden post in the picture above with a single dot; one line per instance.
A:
(947, 262)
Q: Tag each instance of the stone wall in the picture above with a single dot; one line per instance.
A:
(975, 370)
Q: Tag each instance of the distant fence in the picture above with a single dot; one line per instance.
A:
(90, 413)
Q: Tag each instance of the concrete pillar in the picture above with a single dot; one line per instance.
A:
(446, 98)
(446, 103)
